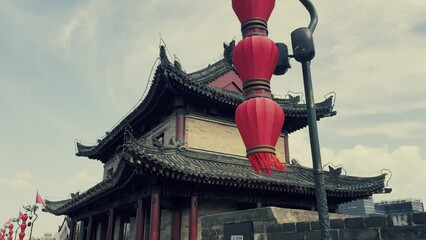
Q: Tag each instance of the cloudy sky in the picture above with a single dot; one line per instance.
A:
(69, 70)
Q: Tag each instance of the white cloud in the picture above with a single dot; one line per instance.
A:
(85, 19)
(83, 180)
(366, 51)
(393, 130)
(21, 180)
(404, 162)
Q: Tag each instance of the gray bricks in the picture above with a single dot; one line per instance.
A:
(316, 235)
(337, 224)
(303, 226)
(354, 223)
(359, 234)
(419, 218)
(277, 228)
(376, 221)
(411, 226)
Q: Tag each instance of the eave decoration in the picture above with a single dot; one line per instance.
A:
(259, 119)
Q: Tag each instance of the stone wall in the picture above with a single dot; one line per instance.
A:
(208, 134)
(411, 226)
(279, 224)
(262, 218)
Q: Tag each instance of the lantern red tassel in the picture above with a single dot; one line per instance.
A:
(260, 121)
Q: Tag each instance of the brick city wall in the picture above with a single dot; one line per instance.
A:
(267, 227)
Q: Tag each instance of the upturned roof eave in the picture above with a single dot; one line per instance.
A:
(228, 171)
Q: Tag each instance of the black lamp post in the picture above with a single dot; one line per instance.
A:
(304, 52)
(32, 209)
(16, 220)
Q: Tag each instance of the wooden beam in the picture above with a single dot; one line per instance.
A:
(193, 218)
(154, 230)
(140, 220)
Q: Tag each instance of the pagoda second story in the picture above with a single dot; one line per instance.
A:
(196, 111)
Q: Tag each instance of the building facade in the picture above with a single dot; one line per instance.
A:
(178, 156)
(392, 207)
(399, 207)
(358, 207)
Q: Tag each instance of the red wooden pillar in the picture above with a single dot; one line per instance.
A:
(286, 149)
(140, 221)
(110, 229)
(193, 218)
(89, 228)
(154, 228)
(180, 126)
(176, 224)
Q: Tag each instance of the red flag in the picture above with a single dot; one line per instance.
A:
(40, 200)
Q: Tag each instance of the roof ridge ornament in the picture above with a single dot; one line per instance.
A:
(178, 145)
(227, 51)
(163, 55)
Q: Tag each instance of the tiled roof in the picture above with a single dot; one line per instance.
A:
(215, 169)
(208, 168)
(196, 84)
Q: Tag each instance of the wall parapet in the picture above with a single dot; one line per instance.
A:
(274, 224)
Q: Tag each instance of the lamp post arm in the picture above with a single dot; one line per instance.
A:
(32, 224)
(312, 12)
(16, 231)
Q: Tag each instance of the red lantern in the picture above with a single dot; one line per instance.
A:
(11, 226)
(255, 58)
(21, 235)
(260, 121)
(24, 217)
(246, 9)
(23, 227)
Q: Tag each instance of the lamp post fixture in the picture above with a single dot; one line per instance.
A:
(32, 209)
(304, 52)
(255, 58)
